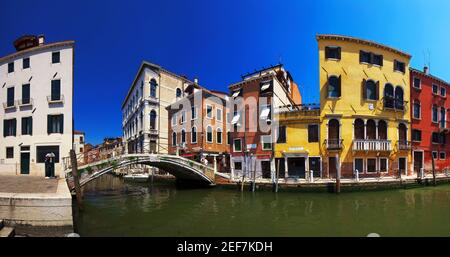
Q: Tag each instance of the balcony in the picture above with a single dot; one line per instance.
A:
(10, 105)
(390, 104)
(371, 145)
(404, 145)
(154, 132)
(333, 144)
(26, 102)
(55, 99)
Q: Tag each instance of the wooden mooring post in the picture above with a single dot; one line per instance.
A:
(76, 179)
(338, 175)
(433, 169)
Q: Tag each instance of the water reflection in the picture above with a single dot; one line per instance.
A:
(114, 208)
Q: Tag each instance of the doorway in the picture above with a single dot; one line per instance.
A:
(296, 167)
(332, 169)
(418, 161)
(25, 163)
(402, 165)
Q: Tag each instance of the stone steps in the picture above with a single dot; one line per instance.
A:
(6, 231)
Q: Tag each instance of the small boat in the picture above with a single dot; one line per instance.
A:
(140, 177)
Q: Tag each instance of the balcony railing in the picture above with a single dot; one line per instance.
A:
(393, 104)
(10, 105)
(333, 144)
(52, 99)
(26, 102)
(154, 132)
(371, 145)
(404, 145)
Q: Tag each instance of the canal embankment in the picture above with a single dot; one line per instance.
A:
(35, 205)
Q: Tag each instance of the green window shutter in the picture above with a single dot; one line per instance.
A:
(49, 124)
(363, 89)
(61, 117)
(5, 124)
(14, 123)
(31, 125)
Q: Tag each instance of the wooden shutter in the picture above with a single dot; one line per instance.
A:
(14, 123)
(30, 123)
(363, 89)
(361, 56)
(5, 123)
(339, 53)
(61, 117)
(328, 87)
(49, 124)
(339, 86)
(381, 57)
(377, 90)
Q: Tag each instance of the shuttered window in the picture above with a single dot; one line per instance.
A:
(27, 126)
(333, 52)
(55, 123)
(26, 94)
(9, 127)
(56, 90)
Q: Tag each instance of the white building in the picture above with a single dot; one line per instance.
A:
(144, 115)
(36, 112)
(78, 142)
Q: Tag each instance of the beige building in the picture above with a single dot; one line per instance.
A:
(144, 115)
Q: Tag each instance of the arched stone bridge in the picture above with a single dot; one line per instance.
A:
(183, 169)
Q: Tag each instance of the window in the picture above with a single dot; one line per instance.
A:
(10, 97)
(209, 111)
(193, 112)
(265, 86)
(9, 127)
(443, 120)
(266, 142)
(334, 86)
(183, 117)
(443, 92)
(228, 137)
(219, 135)
(383, 164)
(265, 113)
(359, 165)
(153, 86)
(416, 135)
(389, 96)
(442, 138)
(417, 83)
(209, 134)
(81, 149)
(55, 57)
(42, 151)
(434, 114)
(435, 138)
(364, 57)
(10, 67)
(174, 138)
(370, 58)
(26, 94)
(194, 135)
(371, 165)
(416, 110)
(333, 52)
(56, 90)
(238, 165)
(399, 103)
(9, 152)
(183, 136)
(174, 119)
(55, 123)
(442, 155)
(399, 66)
(377, 59)
(371, 90)
(81, 140)
(27, 126)
(237, 145)
(152, 119)
(313, 133)
(25, 63)
(219, 114)
(281, 135)
(435, 155)
(178, 93)
(435, 89)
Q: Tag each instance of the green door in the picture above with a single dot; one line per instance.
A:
(24, 163)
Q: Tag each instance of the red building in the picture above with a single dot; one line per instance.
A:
(254, 99)
(430, 108)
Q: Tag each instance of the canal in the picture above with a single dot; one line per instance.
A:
(115, 208)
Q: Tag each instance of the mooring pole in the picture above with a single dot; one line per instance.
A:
(254, 175)
(338, 175)
(76, 179)
(433, 169)
(277, 173)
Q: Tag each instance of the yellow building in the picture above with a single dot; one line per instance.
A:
(297, 149)
(364, 108)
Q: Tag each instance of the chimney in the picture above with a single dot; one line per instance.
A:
(196, 80)
(41, 39)
(426, 70)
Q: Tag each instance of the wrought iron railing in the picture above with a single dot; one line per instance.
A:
(333, 144)
(404, 145)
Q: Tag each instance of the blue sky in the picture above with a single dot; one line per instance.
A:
(216, 41)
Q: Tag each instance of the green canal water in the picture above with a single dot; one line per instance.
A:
(115, 208)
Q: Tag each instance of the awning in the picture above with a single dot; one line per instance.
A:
(237, 92)
(235, 119)
(265, 113)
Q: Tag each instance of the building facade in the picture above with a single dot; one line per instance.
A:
(254, 100)
(78, 142)
(365, 108)
(144, 115)
(198, 127)
(36, 113)
(430, 121)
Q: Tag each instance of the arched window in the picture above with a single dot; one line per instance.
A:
(399, 98)
(402, 131)
(443, 118)
(219, 135)
(359, 129)
(333, 130)
(194, 135)
(416, 109)
(371, 90)
(382, 130)
(388, 96)
(334, 86)
(371, 129)
(209, 134)
(153, 86)
(153, 119)
(183, 136)
(178, 93)
(434, 115)
(174, 138)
